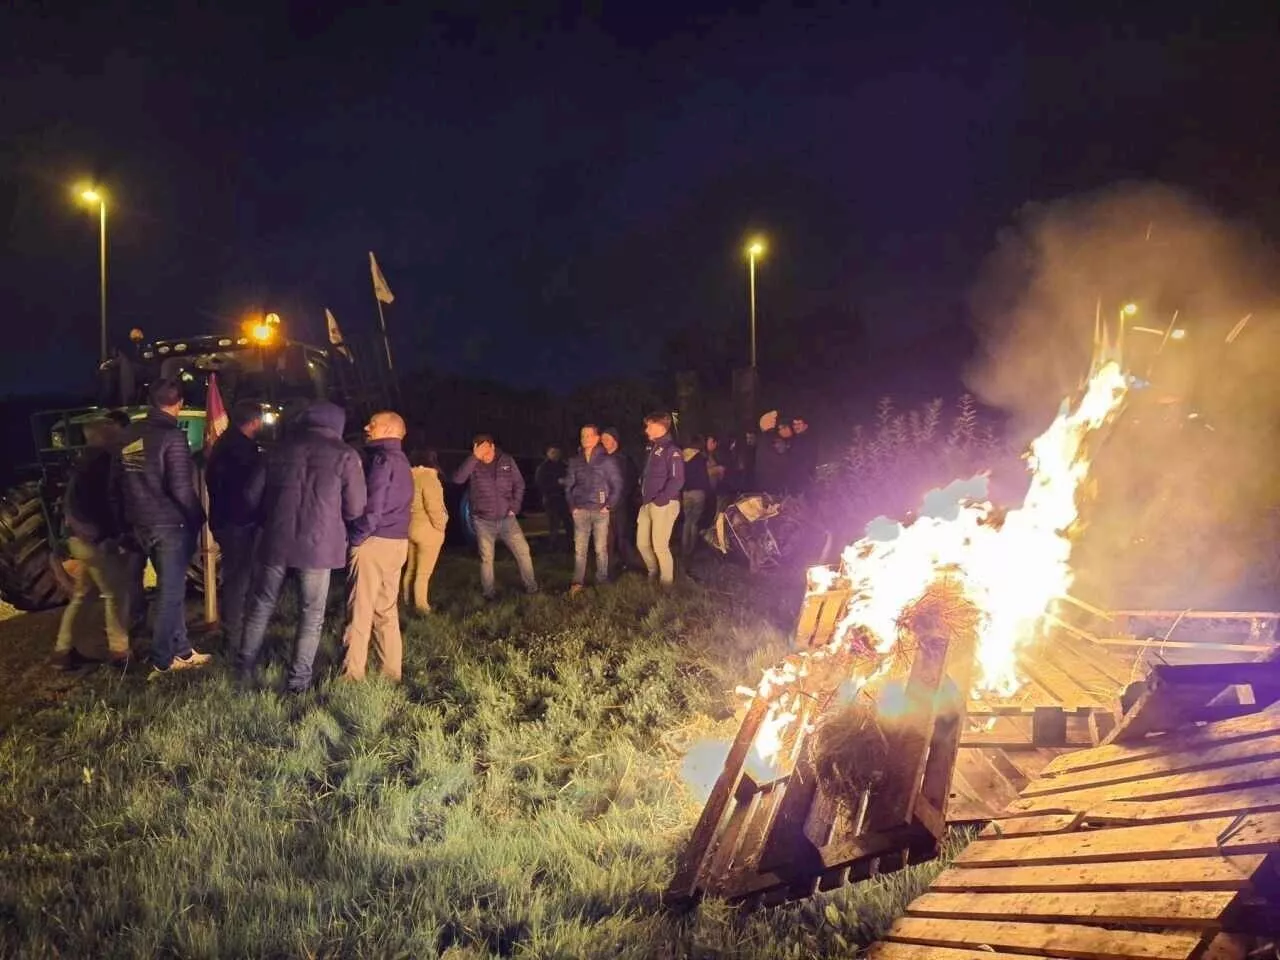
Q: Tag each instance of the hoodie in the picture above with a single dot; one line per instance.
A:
(306, 491)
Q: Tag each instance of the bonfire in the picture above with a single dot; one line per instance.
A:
(990, 575)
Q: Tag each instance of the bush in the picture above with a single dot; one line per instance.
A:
(887, 468)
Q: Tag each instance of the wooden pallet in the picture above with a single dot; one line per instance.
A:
(1158, 850)
(787, 837)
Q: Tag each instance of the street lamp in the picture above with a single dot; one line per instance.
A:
(755, 250)
(92, 195)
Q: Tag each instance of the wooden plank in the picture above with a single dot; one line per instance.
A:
(1266, 672)
(1161, 708)
(1260, 724)
(1194, 873)
(725, 848)
(911, 733)
(684, 884)
(1066, 691)
(1196, 614)
(1026, 826)
(1157, 644)
(1113, 674)
(833, 605)
(1259, 833)
(913, 951)
(1250, 799)
(1196, 910)
(1070, 941)
(1157, 788)
(1205, 757)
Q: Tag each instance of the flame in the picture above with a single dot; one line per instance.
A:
(1011, 568)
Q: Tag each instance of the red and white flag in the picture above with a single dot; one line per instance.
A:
(216, 420)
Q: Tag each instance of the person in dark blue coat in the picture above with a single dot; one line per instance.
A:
(497, 494)
(154, 485)
(379, 549)
(232, 520)
(594, 489)
(309, 487)
(661, 481)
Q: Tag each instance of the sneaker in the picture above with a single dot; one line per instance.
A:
(193, 659)
(575, 589)
(120, 660)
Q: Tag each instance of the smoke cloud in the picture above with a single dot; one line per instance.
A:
(1184, 501)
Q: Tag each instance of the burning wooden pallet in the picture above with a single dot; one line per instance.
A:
(784, 835)
(1160, 848)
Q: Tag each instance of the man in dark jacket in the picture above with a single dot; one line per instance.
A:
(154, 480)
(379, 548)
(549, 478)
(94, 545)
(232, 464)
(306, 491)
(773, 458)
(661, 481)
(693, 495)
(622, 519)
(496, 493)
(594, 489)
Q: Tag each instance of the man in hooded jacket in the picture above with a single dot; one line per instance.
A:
(308, 489)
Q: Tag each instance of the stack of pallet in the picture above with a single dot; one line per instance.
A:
(1160, 845)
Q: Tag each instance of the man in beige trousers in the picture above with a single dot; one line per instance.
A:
(379, 547)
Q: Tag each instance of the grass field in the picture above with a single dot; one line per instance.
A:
(518, 795)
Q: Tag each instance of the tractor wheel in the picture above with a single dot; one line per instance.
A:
(28, 578)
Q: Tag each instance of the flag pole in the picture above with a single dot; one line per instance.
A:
(210, 556)
(386, 345)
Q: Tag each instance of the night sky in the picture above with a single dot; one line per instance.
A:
(552, 194)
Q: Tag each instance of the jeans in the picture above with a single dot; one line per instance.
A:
(170, 550)
(692, 503)
(653, 537)
(236, 545)
(313, 590)
(558, 522)
(103, 567)
(590, 525)
(488, 532)
(373, 593)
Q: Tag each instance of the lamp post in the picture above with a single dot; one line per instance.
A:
(755, 250)
(93, 195)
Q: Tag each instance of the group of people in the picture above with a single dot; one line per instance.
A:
(312, 504)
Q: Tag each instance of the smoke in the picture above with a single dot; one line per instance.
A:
(1185, 494)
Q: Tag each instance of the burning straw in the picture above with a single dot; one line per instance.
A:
(858, 743)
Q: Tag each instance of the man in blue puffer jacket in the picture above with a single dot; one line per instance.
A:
(379, 549)
(310, 486)
(154, 488)
(594, 489)
(497, 493)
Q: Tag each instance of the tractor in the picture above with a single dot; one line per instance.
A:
(259, 363)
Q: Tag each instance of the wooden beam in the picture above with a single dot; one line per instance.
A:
(1249, 799)
(913, 951)
(1204, 757)
(1261, 724)
(1070, 941)
(1200, 910)
(1178, 785)
(1193, 873)
(1258, 833)
(1196, 614)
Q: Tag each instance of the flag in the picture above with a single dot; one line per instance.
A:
(380, 288)
(215, 414)
(335, 334)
